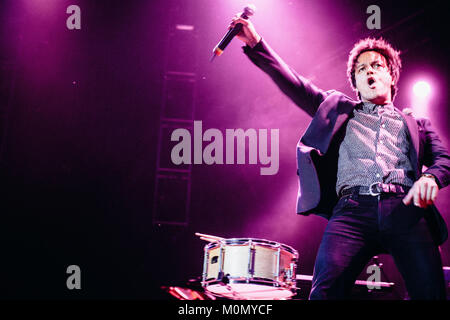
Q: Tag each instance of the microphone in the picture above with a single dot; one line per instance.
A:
(248, 11)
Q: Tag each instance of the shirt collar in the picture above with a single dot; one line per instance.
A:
(373, 108)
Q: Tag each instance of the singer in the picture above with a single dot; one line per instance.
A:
(360, 165)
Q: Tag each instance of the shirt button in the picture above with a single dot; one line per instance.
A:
(378, 175)
(383, 125)
(381, 142)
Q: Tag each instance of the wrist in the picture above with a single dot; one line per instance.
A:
(428, 175)
(253, 41)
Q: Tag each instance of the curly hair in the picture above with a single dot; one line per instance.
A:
(384, 48)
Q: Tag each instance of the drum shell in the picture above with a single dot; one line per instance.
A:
(249, 260)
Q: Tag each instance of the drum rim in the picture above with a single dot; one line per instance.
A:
(256, 281)
(237, 241)
(288, 292)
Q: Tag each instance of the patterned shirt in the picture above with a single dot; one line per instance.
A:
(375, 149)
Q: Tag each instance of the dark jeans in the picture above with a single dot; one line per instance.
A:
(364, 226)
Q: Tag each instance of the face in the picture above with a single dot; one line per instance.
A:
(373, 79)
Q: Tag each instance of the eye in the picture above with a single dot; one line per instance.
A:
(361, 69)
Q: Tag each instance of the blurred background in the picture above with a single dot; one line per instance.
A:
(86, 117)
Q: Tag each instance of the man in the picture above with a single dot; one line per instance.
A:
(360, 166)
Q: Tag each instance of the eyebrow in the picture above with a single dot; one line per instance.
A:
(376, 60)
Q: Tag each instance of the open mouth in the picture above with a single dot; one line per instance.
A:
(371, 81)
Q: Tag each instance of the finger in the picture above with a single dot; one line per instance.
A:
(423, 196)
(234, 22)
(407, 199)
(241, 20)
(434, 193)
(430, 194)
(416, 196)
(427, 195)
(236, 18)
(423, 191)
(420, 191)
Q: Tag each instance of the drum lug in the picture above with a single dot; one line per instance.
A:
(291, 273)
(251, 261)
(205, 266)
(277, 270)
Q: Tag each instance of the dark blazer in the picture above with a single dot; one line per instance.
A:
(318, 148)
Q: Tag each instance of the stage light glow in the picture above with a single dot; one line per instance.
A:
(421, 97)
(422, 89)
(184, 27)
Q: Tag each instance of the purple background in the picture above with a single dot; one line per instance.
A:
(80, 115)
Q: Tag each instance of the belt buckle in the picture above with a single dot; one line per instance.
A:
(371, 187)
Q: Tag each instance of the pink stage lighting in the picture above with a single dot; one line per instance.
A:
(421, 96)
(422, 89)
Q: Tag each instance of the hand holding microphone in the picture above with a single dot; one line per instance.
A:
(247, 33)
(241, 27)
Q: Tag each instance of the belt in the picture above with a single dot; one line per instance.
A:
(375, 189)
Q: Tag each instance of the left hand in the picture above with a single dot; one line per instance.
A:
(423, 192)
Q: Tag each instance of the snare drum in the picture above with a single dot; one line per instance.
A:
(249, 269)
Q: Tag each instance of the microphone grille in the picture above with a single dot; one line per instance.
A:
(249, 10)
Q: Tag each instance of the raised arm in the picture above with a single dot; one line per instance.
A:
(305, 94)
